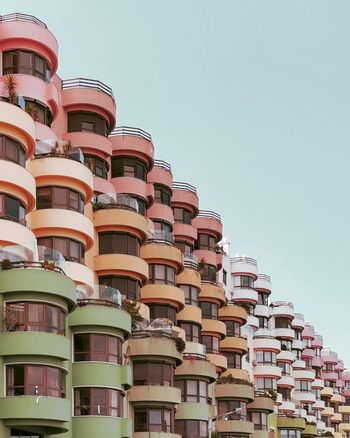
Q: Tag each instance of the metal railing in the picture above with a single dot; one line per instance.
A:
(23, 264)
(115, 200)
(208, 214)
(160, 236)
(177, 185)
(282, 303)
(140, 334)
(264, 277)
(97, 302)
(108, 293)
(87, 83)
(22, 17)
(162, 165)
(191, 261)
(242, 259)
(128, 130)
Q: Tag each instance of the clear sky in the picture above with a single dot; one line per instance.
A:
(249, 101)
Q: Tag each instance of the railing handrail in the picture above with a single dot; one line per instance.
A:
(34, 265)
(244, 259)
(152, 333)
(191, 261)
(162, 165)
(282, 303)
(116, 200)
(160, 236)
(54, 155)
(87, 83)
(22, 17)
(264, 277)
(209, 215)
(178, 185)
(128, 130)
(97, 302)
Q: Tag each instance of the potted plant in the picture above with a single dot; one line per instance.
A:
(89, 163)
(32, 110)
(180, 344)
(131, 307)
(6, 264)
(50, 265)
(11, 86)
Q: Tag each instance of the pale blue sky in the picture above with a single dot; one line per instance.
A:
(250, 102)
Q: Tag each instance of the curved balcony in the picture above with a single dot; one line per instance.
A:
(267, 371)
(286, 381)
(317, 342)
(286, 406)
(185, 196)
(234, 427)
(98, 426)
(329, 356)
(212, 292)
(194, 349)
(133, 142)
(318, 405)
(262, 403)
(163, 293)
(210, 222)
(336, 418)
(27, 32)
(190, 313)
(327, 392)
(234, 313)
(15, 234)
(214, 326)
(344, 427)
(253, 322)
(65, 223)
(121, 264)
(184, 232)
(95, 143)
(189, 276)
(65, 171)
(298, 321)
(193, 366)
(303, 374)
(290, 422)
(161, 211)
(245, 294)
(219, 360)
(263, 283)
(148, 344)
(339, 366)
(266, 343)
(155, 394)
(99, 313)
(264, 333)
(236, 373)
(282, 309)
(317, 383)
(304, 397)
(234, 344)
(234, 391)
(286, 356)
(327, 412)
(89, 95)
(284, 333)
(210, 257)
(344, 409)
(101, 374)
(134, 186)
(298, 345)
(309, 332)
(80, 274)
(317, 362)
(164, 254)
(336, 398)
(49, 414)
(17, 124)
(244, 266)
(310, 430)
(261, 310)
(329, 375)
(192, 411)
(307, 353)
(161, 174)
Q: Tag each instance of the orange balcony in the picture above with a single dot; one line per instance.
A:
(238, 345)
(190, 313)
(185, 196)
(196, 367)
(234, 313)
(189, 276)
(151, 343)
(234, 390)
(161, 173)
(212, 292)
(213, 326)
(163, 254)
(121, 264)
(163, 293)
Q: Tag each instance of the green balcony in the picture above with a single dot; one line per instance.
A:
(101, 374)
(98, 426)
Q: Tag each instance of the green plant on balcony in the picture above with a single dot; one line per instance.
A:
(243, 304)
(233, 380)
(49, 265)
(201, 264)
(61, 150)
(6, 264)
(131, 307)
(8, 319)
(32, 110)
(271, 393)
(11, 86)
(99, 206)
(90, 164)
(180, 344)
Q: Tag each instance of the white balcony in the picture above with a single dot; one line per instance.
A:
(286, 356)
(299, 365)
(263, 282)
(261, 310)
(298, 321)
(244, 265)
(298, 345)
(261, 370)
(285, 333)
(253, 322)
(317, 384)
(282, 308)
(286, 381)
(245, 294)
(300, 374)
(286, 406)
(318, 405)
(264, 342)
(304, 397)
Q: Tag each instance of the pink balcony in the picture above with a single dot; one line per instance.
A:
(317, 362)
(309, 332)
(208, 221)
(317, 342)
(185, 196)
(161, 174)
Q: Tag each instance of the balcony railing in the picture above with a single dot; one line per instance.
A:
(129, 131)
(184, 186)
(87, 83)
(282, 303)
(243, 259)
(264, 277)
(162, 165)
(96, 302)
(108, 293)
(191, 261)
(160, 236)
(22, 17)
(115, 200)
(207, 214)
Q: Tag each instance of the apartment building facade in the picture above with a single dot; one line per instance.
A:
(123, 314)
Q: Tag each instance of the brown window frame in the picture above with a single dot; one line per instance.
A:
(129, 167)
(164, 310)
(234, 360)
(228, 405)
(147, 426)
(169, 274)
(205, 241)
(243, 281)
(90, 355)
(100, 166)
(209, 310)
(193, 397)
(233, 328)
(75, 120)
(191, 294)
(4, 210)
(132, 291)
(182, 215)
(8, 143)
(162, 194)
(281, 322)
(164, 376)
(212, 343)
(189, 328)
(116, 240)
(31, 70)
(43, 112)
(191, 428)
(208, 273)
(262, 423)
(91, 407)
(51, 203)
(50, 244)
(266, 357)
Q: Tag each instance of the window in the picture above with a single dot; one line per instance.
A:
(259, 419)
(208, 273)
(98, 401)
(328, 367)
(161, 274)
(113, 242)
(184, 247)
(302, 386)
(25, 62)
(83, 121)
(71, 250)
(286, 345)
(154, 419)
(141, 203)
(285, 367)
(182, 215)
(130, 167)
(193, 331)
(162, 311)
(15, 433)
(243, 281)
(166, 228)
(234, 360)
(211, 343)
(263, 299)
(282, 323)
(230, 406)
(100, 167)
(96, 347)
(191, 294)
(12, 209)
(286, 393)
(209, 310)
(266, 383)
(290, 433)
(265, 357)
(162, 194)
(59, 197)
(127, 286)
(195, 391)
(153, 373)
(12, 150)
(233, 328)
(205, 241)
(297, 335)
(224, 276)
(191, 428)
(263, 322)
(42, 113)
(37, 317)
(35, 380)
